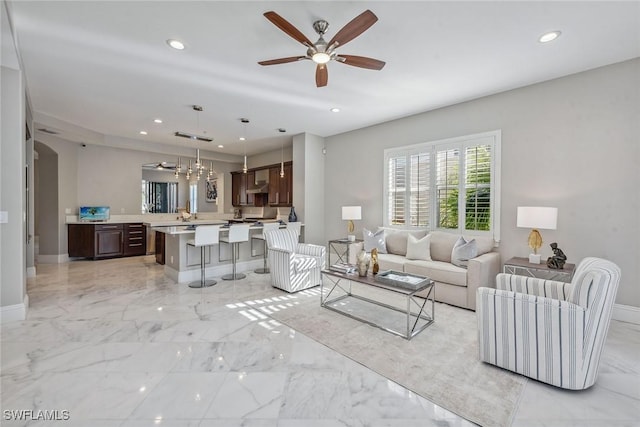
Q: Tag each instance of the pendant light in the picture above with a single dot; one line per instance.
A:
(281, 130)
(281, 160)
(243, 138)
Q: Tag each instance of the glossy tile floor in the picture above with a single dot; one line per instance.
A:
(115, 343)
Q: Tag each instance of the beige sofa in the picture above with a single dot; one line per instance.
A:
(454, 285)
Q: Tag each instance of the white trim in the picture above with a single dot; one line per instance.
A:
(187, 276)
(53, 259)
(31, 272)
(15, 312)
(626, 313)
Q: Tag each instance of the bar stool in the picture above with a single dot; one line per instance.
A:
(206, 235)
(295, 226)
(237, 234)
(266, 227)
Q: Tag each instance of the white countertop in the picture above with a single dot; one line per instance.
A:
(185, 229)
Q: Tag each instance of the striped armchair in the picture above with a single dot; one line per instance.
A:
(294, 266)
(550, 331)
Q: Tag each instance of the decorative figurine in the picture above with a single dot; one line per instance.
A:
(362, 263)
(374, 261)
(558, 259)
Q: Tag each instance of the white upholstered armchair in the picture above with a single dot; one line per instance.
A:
(294, 266)
(551, 331)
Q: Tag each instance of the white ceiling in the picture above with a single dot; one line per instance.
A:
(99, 72)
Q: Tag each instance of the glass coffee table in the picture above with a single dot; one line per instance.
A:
(348, 291)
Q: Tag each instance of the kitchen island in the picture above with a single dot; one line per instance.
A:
(182, 262)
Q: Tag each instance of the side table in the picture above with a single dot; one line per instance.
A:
(522, 267)
(340, 247)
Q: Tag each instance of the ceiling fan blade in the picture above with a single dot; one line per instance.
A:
(322, 75)
(287, 27)
(361, 61)
(353, 29)
(282, 60)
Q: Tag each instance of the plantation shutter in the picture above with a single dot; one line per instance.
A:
(478, 187)
(397, 187)
(420, 194)
(447, 181)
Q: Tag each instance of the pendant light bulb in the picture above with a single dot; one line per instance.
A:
(281, 160)
(197, 158)
(244, 168)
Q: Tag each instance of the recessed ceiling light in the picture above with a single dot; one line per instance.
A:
(335, 110)
(242, 138)
(550, 36)
(157, 120)
(176, 44)
(143, 132)
(220, 146)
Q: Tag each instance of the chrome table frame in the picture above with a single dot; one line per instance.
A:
(412, 329)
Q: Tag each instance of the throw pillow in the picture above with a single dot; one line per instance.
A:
(374, 240)
(463, 251)
(419, 248)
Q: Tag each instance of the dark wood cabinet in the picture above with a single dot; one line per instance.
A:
(106, 240)
(135, 239)
(238, 189)
(281, 188)
(160, 247)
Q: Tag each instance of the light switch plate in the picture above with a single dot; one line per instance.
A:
(4, 217)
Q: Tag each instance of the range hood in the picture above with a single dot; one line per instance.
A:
(261, 183)
(258, 188)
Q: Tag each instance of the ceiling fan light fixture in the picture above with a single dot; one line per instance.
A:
(321, 58)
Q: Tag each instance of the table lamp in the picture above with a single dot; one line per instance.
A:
(534, 218)
(350, 213)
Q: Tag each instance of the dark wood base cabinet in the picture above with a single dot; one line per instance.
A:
(107, 240)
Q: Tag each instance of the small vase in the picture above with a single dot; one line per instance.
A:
(292, 215)
(362, 263)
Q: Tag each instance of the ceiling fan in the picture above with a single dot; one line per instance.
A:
(322, 52)
(160, 166)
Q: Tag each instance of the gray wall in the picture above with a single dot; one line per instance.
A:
(12, 181)
(572, 143)
(46, 200)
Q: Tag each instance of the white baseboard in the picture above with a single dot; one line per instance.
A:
(188, 276)
(31, 272)
(53, 259)
(15, 312)
(626, 313)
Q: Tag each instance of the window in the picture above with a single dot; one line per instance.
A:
(452, 184)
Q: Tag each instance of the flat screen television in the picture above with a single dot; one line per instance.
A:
(94, 213)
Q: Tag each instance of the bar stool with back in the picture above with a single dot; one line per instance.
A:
(237, 234)
(266, 227)
(206, 235)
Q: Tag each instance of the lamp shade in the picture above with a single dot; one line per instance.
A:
(351, 212)
(537, 217)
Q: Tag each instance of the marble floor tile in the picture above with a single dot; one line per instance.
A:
(118, 344)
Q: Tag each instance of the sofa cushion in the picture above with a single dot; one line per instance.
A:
(396, 240)
(374, 240)
(442, 245)
(463, 251)
(484, 244)
(391, 262)
(438, 271)
(419, 248)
